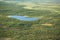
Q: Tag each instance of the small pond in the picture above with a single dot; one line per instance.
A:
(24, 18)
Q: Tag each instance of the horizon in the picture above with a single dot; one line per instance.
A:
(56, 1)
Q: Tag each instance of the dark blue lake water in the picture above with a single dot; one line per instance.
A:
(24, 18)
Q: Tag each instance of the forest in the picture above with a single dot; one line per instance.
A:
(46, 28)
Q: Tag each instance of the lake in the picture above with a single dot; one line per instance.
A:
(24, 18)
